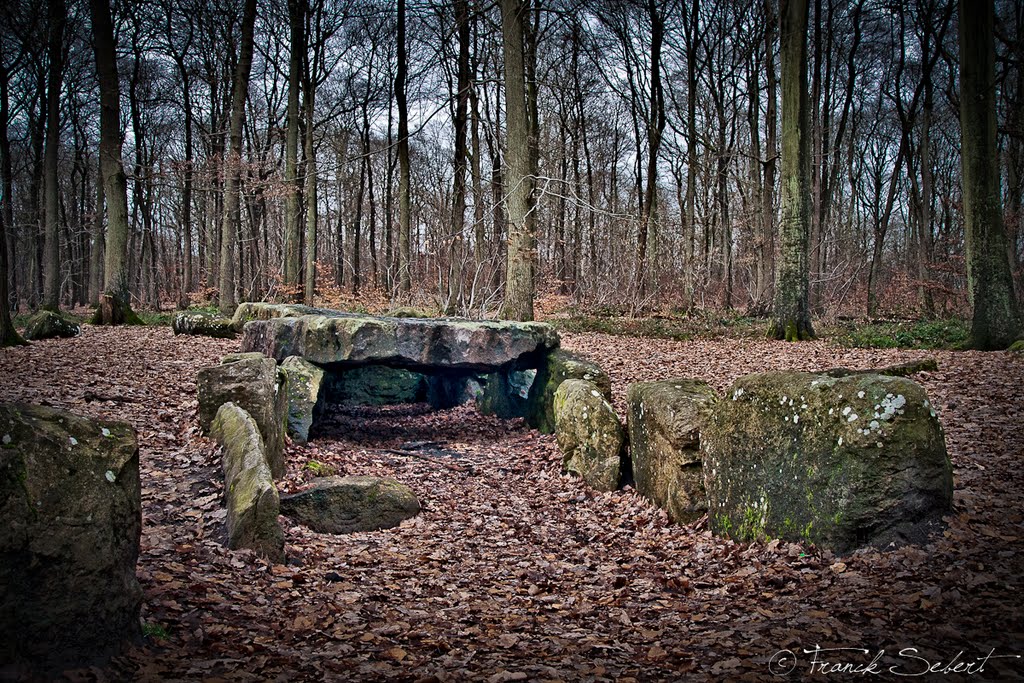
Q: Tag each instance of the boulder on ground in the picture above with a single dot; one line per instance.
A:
(302, 384)
(665, 420)
(560, 366)
(344, 505)
(252, 500)
(70, 503)
(840, 462)
(50, 325)
(589, 434)
(253, 383)
(376, 385)
(203, 324)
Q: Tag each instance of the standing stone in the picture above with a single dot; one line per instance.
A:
(665, 420)
(253, 383)
(302, 384)
(589, 434)
(344, 505)
(560, 366)
(252, 499)
(70, 504)
(840, 462)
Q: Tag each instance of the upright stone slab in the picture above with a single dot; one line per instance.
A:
(561, 365)
(303, 382)
(840, 462)
(69, 541)
(252, 500)
(589, 434)
(665, 420)
(252, 382)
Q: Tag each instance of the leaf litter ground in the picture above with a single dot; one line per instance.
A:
(514, 571)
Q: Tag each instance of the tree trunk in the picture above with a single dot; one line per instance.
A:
(996, 321)
(292, 231)
(51, 181)
(233, 163)
(404, 171)
(792, 319)
(460, 122)
(115, 307)
(519, 271)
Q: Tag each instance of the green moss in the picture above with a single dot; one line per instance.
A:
(950, 334)
(319, 469)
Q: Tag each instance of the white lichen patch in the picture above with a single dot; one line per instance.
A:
(74, 441)
(6, 439)
(736, 394)
(874, 424)
(110, 476)
(860, 394)
(796, 419)
(594, 392)
(840, 441)
(846, 410)
(105, 432)
(852, 417)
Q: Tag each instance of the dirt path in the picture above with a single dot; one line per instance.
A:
(516, 572)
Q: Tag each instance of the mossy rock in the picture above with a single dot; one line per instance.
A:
(304, 380)
(589, 434)
(50, 325)
(1017, 346)
(203, 324)
(665, 422)
(559, 366)
(841, 462)
(253, 503)
(408, 312)
(344, 505)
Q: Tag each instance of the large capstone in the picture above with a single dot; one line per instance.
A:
(70, 504)
(561, 365)
(665, 421)
(589, 434)
(203, 324)
(344, 505)
(840, 462)
(303, 382)
(252, 500)
(50, 325)
(333, 337)
(252, 382)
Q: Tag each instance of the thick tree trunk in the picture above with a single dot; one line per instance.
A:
(519, 271)
(233, 163)
(51, 181)
(996, 323)
(792, 319)
(115, 305)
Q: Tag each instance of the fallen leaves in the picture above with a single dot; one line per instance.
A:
(514, 571)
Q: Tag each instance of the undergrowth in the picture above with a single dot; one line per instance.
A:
(922, 334)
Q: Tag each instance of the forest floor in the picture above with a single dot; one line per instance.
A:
(514, 571)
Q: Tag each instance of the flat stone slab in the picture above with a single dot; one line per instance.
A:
(329, 337)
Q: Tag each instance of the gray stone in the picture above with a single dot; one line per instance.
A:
(328, 338)
(840, 462)
(665, 421)
(254, 383)
(50, 325)
(252, 500)
(589, 434)
(303, 384)
(203, 324)
(344, 505)
(70, 504)
(560, 365)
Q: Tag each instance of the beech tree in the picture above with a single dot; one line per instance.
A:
(792, 315)
(996, 322)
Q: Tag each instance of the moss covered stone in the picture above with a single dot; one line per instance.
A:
(253, 383)
(589, 434)
(559, 366)
(70, 503)
(203, 324)
(344, 505)
(303, 382)
(1017, 346)
(665, 421)
(252, 500)
(840, 462)
(50, 325)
